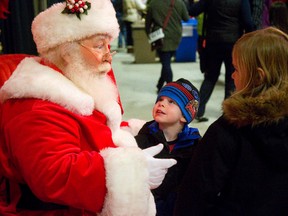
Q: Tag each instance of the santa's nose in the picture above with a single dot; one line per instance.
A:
(108, 56)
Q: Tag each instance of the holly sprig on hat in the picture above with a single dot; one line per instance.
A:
(77, 7)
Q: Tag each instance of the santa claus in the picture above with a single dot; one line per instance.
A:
(62, 150)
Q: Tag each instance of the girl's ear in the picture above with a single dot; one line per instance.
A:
(261, 75)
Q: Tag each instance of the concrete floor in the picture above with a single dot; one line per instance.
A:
(137, 86)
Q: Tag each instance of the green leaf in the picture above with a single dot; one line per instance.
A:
(78, 15)
(88, 4)
(66, 10)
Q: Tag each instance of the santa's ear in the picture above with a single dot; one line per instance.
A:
(65, 51)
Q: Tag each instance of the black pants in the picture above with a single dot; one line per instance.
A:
(217, 53)
(129, 36)
(166, 70)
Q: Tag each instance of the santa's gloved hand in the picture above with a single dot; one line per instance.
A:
(157, 167)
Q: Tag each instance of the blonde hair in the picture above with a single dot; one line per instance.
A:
(262, 57)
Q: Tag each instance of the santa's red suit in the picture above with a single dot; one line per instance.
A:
(54, 142)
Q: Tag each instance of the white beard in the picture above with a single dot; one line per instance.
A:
(96, 83)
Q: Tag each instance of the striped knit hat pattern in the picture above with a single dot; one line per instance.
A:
(185, 94)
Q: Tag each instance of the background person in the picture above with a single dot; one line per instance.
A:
(132, 12)
(257, 9)
(226, 22)
(122, 37)
(156, 14)
(278, 15)
(240, 166)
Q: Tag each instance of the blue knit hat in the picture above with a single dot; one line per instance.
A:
(185, 94)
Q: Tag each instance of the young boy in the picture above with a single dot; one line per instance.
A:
(176, 106)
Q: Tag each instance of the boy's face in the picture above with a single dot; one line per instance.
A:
(166, 111)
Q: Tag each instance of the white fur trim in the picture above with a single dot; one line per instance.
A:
(128, 192)
(52, 28)
(123, 138)
(33, 80)
(112, 111)
(134, 126)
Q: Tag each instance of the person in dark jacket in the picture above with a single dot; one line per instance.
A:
(257, 8)
(278, 15)
(226, 22)
(175, 108)
(240, 166)
(170, 12)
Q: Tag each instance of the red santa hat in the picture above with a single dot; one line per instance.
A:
(72, 21)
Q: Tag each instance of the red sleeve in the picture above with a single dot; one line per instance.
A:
(48, 151)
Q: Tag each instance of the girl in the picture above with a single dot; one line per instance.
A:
(240, 166)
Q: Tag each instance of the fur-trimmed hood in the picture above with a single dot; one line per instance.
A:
(267, 108)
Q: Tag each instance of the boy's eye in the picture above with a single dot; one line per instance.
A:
(171, 101)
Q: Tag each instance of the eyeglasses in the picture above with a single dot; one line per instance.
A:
(93, 50)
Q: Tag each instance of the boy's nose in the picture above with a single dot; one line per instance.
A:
(161, 103)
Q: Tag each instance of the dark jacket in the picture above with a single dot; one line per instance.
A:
(156, 14)
(240, 167)
(226, 20)
(151, 135)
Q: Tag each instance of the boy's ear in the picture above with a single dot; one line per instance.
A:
(183, 120)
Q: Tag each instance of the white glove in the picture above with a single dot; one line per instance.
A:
(157, 167)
